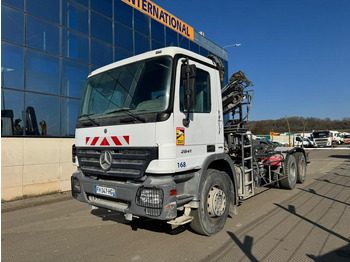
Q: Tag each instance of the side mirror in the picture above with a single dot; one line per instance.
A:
(188, 77)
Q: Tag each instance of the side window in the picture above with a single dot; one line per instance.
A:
(203, 97)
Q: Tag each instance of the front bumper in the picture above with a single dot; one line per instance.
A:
(126, 195)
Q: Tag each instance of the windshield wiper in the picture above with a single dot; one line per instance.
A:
(88, 117)
(127, 110)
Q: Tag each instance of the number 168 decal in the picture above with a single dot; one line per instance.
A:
(181, 164)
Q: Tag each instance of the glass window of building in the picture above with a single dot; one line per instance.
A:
(83, 2)
(103, 6)
(75, 46)
(171, 37)
(184, 42)
(156, 45)
(158, 31)
(123, 37)
(12, 25)
(142, 43)
(101, 53)
(123, 13)
(11, 112)
(203, 52)
(73, 78)
(42, 72)
(50, 46)
(75, 16)
(101, 27)
(226, 71)
(11, 66)
(15, 3)
(41, 112)
(141, 22)
(194, 47)
(43, 36)
(69, 116)
(121, 54)
(45, 9)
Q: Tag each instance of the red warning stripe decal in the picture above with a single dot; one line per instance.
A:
(107, 141)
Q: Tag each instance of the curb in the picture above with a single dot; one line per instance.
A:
(35, 201)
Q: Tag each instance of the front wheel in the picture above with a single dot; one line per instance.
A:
(211, 215)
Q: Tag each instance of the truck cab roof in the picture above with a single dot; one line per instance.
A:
(166, 51)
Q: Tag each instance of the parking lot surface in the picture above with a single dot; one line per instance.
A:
(309, 223)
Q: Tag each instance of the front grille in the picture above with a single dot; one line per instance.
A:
(321, 142)
(126, 162)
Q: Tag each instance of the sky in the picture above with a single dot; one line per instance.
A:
(296, 52)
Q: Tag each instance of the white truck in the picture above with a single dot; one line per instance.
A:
(151, 142)
(336, 138)
(299, 141)
(322, 138)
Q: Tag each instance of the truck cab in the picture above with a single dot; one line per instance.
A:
(133, 152)
(322, 138)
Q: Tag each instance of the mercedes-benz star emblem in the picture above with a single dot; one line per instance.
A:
(106, 160)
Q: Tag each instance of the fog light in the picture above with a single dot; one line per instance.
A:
(75, 186)
(150, 197)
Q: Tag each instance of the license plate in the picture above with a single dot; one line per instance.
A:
(107, 191)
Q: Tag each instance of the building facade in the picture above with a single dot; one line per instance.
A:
(48, 48)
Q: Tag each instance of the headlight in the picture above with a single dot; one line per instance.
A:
(75, 183)
(152, 199)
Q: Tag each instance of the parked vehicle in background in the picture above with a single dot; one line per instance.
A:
(322, 138)
(336, 139)
(311, 138)
(305, 142)
(346, 138)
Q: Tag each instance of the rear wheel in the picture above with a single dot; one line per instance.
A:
(211, 215)
(290, 171)
(301, 164)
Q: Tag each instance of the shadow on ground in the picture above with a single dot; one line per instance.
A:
(340, 156)
(339, 255)
(138, 223)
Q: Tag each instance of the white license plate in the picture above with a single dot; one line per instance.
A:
(107, 191)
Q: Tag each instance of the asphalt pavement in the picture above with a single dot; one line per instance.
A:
(309, 223)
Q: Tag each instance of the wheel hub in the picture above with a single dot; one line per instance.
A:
(216, 202)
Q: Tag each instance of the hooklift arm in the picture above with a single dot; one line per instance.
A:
(234, 95)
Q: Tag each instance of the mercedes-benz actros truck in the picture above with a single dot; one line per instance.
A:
(151, 142)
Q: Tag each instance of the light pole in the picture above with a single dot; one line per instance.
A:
(231, 45)
(288, 130)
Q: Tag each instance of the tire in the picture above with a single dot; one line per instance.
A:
(290, 171)
(210, 217)
(301, 164)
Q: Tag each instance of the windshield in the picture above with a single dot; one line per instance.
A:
(324, 134)
(141, 87)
